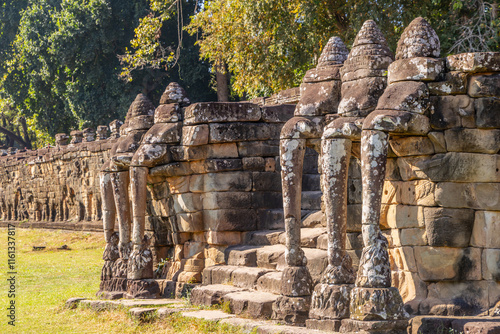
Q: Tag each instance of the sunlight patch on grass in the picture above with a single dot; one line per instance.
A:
(47, 278)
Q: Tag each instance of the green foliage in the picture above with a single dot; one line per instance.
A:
(162, 52)
(268, 44)
(62, 70)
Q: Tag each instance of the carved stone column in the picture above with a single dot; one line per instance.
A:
(138, 267)
(293, 304)
(120, 181)
(330, 300)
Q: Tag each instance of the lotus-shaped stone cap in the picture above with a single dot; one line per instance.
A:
(369, 34)
(369, 51)
(334, 53)
(141, 106)
(174, 93)
(418, 40)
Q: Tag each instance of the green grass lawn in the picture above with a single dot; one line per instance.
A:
(47, 278)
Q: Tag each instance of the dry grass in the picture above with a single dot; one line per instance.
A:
(47, 278)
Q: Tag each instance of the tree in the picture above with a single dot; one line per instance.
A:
(269, 44)
(164, 52)
(62, 71)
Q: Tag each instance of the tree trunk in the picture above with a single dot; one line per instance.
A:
(25, 132)
(222, 76)
(13, 137)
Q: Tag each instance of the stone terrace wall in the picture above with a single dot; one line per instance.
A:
(224, 180)
(442, 193)
(55, 187)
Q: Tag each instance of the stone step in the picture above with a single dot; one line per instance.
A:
(255, 304)
(308, 237)
(241, 277)
(473, 325)
(267, 257)
(270, 282)
(211, 294)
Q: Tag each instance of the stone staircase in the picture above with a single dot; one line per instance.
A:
(250, 282)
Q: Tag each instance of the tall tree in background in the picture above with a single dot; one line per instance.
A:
(61, 69)
(269, 44)
(162, 49)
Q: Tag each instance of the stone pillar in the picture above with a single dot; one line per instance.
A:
(102, 132)
(76, 136)
(62, 139)
(330, 299)
(138, 266)
(293, 304)
(120, 182)
(375, 305)
(108, 206)
(88, 135)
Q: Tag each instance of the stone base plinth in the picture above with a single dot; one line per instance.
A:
(142, 289)
(112, 285)
(374, 327)
(296, 282)
(377, 304)
(327, 325)
(292, 310)
(330, 301)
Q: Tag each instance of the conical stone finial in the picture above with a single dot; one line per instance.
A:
(141, 106)
(369, 34)
(370, 50)
(174, 93)
(334, 53)
(418, 40)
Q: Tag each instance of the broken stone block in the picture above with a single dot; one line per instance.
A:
(246, 277)
(167, 113)
(163, 133)
(270, 282)
(278, 113)
(242, 256)
(254, 304)
(360, 97)
(318, 98)
(484, 85)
